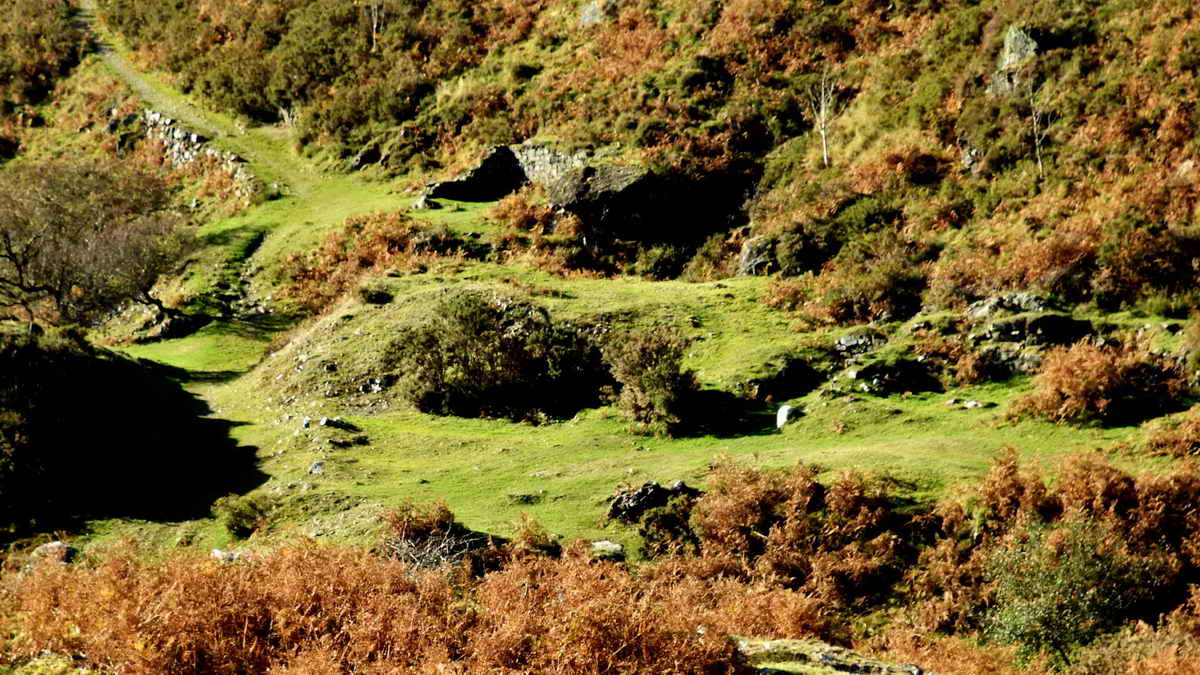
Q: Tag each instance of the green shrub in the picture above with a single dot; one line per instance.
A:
(665, 261)
(483, 355)
(243, 515)
(716, 259)
(656, 392)
(877, 277)
(1059, 589)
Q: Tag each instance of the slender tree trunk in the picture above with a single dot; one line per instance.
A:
(821, 101)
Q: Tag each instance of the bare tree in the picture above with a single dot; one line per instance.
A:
(1040, 118)
(822, 106)
(376, 12)
(78, 239)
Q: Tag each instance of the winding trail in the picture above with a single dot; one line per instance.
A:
(265, 149)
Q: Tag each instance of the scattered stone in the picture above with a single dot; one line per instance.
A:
(337, 423)
(608, 550)
(1007, 360)
(893, 377)
(785, 414)
(971, 158)
(424, 203)
(1024, 301)
(57, 551)
(377, 385)
(225, 556)
(597, 12)
(317, 468)
(816, 656)
(181, 146)
(1019, 49)
(527, 499)
(859, 341)
(1048, 328)
(628, 504)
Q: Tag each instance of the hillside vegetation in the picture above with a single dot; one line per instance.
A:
(975, 146)
(896, 297)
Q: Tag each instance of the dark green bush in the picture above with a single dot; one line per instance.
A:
(485, 355)
(243, 515)
(665, 530)
(1060, 588)
(877, 277)
(657, 394)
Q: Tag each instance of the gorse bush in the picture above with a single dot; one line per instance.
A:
(657, 393)
(877, 277)
(489, 355)
(1086, 383)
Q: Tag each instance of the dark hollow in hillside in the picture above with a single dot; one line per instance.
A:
(85, 433)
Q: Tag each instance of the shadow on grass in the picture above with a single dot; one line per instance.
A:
(95, 435)
(725, 415)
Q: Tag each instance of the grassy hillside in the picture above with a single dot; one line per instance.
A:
(975, 147)
(988, 281)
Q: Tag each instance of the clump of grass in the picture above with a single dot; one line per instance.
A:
(243, 515)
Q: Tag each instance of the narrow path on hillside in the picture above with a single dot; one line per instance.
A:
(268, 156)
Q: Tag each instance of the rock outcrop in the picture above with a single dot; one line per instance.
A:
(1019, 49)
(629, 504)
(497, 175)
(613, 201)
(180, 145)
(813, 656)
